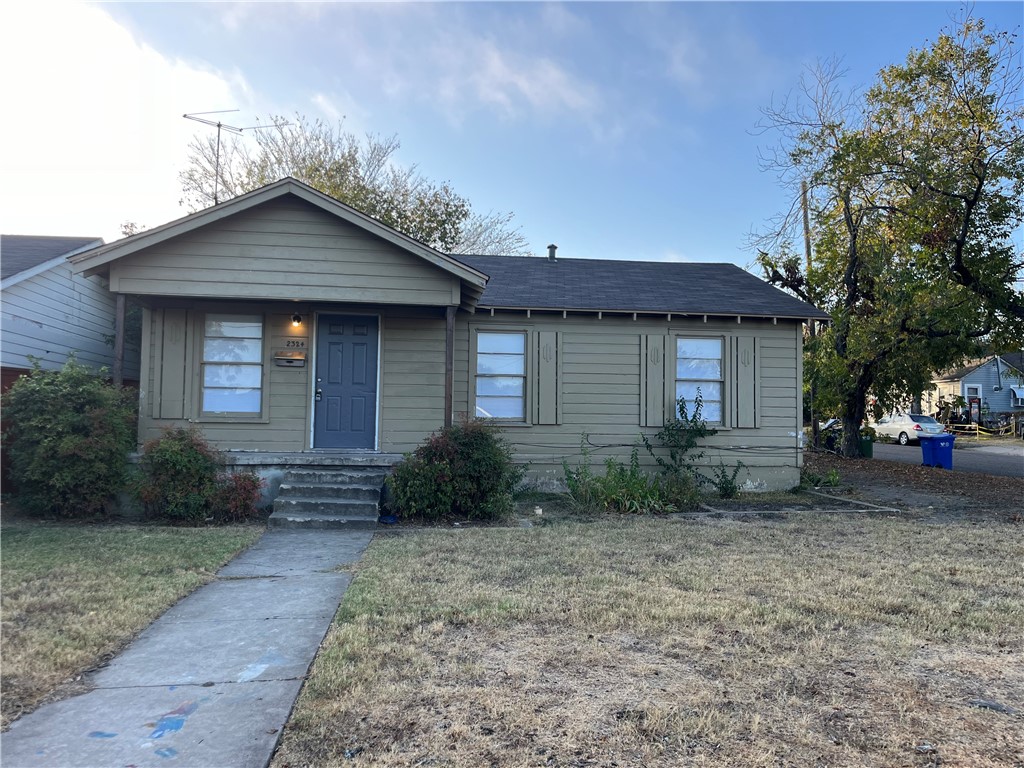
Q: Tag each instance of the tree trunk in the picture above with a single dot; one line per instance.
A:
(854, 410)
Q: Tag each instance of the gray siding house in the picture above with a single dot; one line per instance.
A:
(293, 329)
(50, 313)
(1001, 389)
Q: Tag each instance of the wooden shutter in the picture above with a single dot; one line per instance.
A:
(748, 380)
(171, 374)
(652, 380)
(548, 406)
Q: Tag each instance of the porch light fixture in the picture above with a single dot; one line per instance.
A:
(296, 320)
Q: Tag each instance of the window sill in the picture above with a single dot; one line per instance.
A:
(229, 419)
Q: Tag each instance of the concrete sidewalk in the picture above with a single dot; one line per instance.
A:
(211, 682)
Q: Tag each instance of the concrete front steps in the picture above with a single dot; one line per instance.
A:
(329, 497)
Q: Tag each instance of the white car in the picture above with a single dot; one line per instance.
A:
(907, 427)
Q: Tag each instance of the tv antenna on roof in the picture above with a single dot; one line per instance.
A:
(230, 129)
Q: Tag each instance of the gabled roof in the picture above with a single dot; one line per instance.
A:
(95, 260)
(632, 286)
(1013, 360)
(20, 253)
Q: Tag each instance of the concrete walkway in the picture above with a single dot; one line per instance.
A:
(212, 682)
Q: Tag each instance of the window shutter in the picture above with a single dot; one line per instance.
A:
(747, 382)
(652, 380)
(548, 408)
(171, 404)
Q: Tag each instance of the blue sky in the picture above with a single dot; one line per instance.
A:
(614, 130)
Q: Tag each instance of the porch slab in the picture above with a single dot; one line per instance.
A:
(311, 459)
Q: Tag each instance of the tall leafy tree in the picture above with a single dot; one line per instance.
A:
(915, 195)
(361, 172)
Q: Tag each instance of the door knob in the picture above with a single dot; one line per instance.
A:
(318, 395)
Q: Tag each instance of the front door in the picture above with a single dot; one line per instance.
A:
(345, 396)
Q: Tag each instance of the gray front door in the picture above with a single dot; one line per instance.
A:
(345, 401)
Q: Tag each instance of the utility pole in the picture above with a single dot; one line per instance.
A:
(813, 326)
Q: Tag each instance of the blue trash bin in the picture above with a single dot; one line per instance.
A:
(937, 450)
(927, 451)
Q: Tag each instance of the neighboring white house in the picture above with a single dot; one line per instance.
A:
(49, 313)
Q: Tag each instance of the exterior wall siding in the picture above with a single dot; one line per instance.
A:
(285, 250)
(411, 387)
(602, 392)
(985, 377)
(597, 375)
(53, 314)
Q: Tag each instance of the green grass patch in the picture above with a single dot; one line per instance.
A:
(74, 594)
(817, 638)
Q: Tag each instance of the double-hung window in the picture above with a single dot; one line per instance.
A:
(233, 364)
(501, 376)
(699, 367)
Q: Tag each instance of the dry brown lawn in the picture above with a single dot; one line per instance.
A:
(815, 640)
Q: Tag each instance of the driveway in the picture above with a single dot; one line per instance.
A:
(1005, 459)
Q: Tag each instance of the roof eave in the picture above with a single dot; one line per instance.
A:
(653, 312)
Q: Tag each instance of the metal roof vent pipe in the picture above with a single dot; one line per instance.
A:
(551, 251)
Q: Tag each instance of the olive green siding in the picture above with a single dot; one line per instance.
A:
(285, 249)
(616, 379)
(610, 379)
(411, 383)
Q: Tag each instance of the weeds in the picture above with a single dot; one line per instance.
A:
(811, 479)
(725, 481)
(623, 488)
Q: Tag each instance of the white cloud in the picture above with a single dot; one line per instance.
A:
(513, 82)
(440, 57)
(93, 133)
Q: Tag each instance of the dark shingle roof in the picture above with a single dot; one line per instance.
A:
(1014, 360)
(21, 252)
(632, 286)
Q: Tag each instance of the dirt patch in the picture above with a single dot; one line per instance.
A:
(926, 491)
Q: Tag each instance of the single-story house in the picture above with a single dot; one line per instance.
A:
(49, 313)
(293, 329)
(996, 381)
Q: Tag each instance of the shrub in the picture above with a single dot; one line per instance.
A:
(237, 498)
(68, 441)
(725, 481)
(681, 438)
(179, 473)
(462, 471)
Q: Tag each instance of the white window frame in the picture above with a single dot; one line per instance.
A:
(1016, 402)
(721, 381)
(523, 334)
(967, 391)
(260, 413)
